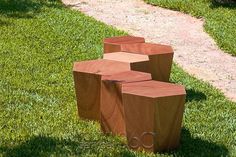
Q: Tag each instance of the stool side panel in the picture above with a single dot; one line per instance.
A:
(111, 47)
(168, 117)
(112, 109)
(87, 87)
(147, 48)
(160, 66)
(124, 39)
(139, 120)
(140, 66)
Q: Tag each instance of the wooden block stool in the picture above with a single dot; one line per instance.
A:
(160, 58)
(112, 109)
(114, 44)
(87, 78)
(137, 62)
(153, 114)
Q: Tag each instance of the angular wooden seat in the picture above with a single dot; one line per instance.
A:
(118, 91)
(87, 78)
(137, 62)
(112, 109)
(114, 44)
(160, 58)
(153, 114)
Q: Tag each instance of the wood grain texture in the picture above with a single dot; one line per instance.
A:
(114, 44)
(160, 58)
(87, 79)
(147, 48)
(153, 114)
(112, 109)
(160, 66)
(137, 62)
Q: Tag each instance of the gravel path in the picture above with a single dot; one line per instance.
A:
(195, 51)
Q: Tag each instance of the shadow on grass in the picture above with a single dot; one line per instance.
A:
(193, 95)
(40, 146)
(4, 23)
(45, 146)
(230, 4)
(25, 8)
(196, 147)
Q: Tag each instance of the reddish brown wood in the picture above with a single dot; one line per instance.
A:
(160, 57)
(153, 114)
(114, 44)
(138, 62)
(87, 78)
(112, 109)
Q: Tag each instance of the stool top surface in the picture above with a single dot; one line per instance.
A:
(124, 40)
(101, 67)
(127, 77)
(153, 89)
(147, 48)
(125, 57)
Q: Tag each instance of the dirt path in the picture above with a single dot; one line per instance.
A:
(195, 51)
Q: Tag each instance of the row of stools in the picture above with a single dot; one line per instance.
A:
(129, 93)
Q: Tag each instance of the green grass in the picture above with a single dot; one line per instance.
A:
(220, 19)
(39, 41)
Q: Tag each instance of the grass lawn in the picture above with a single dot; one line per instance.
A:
(220, 19)
(39, 41)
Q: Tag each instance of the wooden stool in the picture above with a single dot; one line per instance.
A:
(153, 114)
(114, 44)
(87, 78)
(160, 58)
(112, 109)
(138, 62)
